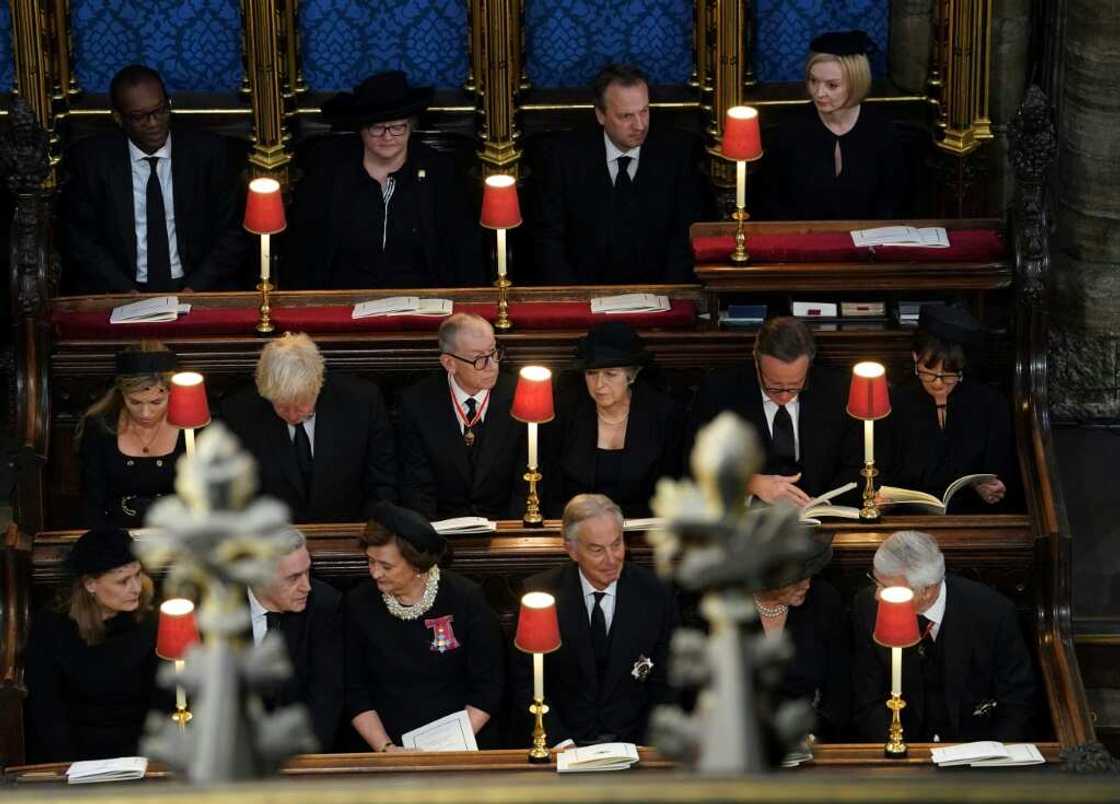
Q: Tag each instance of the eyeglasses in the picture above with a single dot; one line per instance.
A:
(158, 113)
(774, 390)
(878, 584)
(947, 377)
(392, 129)
(481, 361)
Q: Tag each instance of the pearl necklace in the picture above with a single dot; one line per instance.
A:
(770, 612)
(402, 612)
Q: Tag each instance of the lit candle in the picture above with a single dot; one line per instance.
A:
(265, 258)
(538, 676)
(180, 693)
(869, 441)
(501, 252)
(740, 184)
(532, 445)
(896, 671)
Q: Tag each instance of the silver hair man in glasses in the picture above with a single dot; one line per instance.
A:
(461, 452)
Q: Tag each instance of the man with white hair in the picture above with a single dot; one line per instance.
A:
(970, 677)
(306, 613)
(322, 441)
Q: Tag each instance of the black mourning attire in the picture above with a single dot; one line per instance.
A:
(393, 668)
(820, 671)
(118, 489)
(88, 702)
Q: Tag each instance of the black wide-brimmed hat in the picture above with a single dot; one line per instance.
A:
(381, 97)
(950, 323)
(133, 361)
(406, 524)
(612, 344)
(99, 550)
(817, 559)
(843, 43)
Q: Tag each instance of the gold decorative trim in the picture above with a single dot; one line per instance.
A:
(496, 63)
(269, 53)
(959, 74)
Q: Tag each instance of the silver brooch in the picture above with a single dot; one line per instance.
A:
(641, 668)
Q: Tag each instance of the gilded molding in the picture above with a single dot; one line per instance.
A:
(43, 76)
(269, 57)
(960, 74)
(497, 64)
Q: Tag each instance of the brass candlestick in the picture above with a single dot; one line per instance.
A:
(539, 752)
(504, 284)
(264, 325)
(533, 518)
(869, 510)
(740, 253)
(182, 717)
(895, 748)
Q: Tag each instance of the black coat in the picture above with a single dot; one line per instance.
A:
(436, 474)
(983, 659)
(820, 670)
(314, 640)
(114, 483)
(829, 440)
(354, 456)
(574, 210)
(580, 708)
(654, 433)
(99, 224)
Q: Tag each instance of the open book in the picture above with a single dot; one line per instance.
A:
(402, 305)
(121, 769)
(464, 524)
(929, 237)
(602, 757)
(149, 311)
(987, 754)
(892, 495)
(819, 506)
(630, 303)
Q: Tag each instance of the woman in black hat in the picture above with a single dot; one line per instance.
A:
(128, 448)
(380, 209)
(836, 158)
(91, 663)
(946, 424)
(421, 642)
(614, 434)
(811, 612)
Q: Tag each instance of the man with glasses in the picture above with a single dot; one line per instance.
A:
(381, 209)
(462, 454)
(797, 408)
(152, 207)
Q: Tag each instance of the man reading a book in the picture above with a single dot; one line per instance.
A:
(970, 677)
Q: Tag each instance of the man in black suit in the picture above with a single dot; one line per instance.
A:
(970, 677)
(461, 452)
(150, 208)
(616, 620)
(616, 200)
(798, 409)
(306, 612)
(323, 444)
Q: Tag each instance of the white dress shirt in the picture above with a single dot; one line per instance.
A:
(140, 172)
(936, 613)
(613, 153)
(793, 407)
(462, 396)
(257, 614)
(308, 425)
(609, 596)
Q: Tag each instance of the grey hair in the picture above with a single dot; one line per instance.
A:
(913, 555)
(454, 324)
(290, 540)
(290, 368)
(583, 507)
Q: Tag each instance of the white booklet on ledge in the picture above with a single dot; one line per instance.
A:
(987, 754)
(149, 311)
(908, 236)
(121, 769)
(450, 733)
(630, 303)
(402, 305)
(464, 524)
(602, 757)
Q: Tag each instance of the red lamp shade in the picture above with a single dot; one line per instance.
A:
(500, 208)
(896, 624)
(532, 401)
(538, 630)
(868, 398)
(264, 208)
(741, 138)
(178, 629)
(187, 405)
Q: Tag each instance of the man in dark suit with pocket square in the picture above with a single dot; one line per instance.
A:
(616, 620)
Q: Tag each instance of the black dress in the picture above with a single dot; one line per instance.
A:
(118, 489)
(797, 176)
(397, 668)
(88, 702)
(821, 668)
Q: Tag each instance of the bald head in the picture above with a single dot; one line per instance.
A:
(469, 352)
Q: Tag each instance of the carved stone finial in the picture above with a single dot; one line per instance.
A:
(24, 149)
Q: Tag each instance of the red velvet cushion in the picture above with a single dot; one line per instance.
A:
(965, 245)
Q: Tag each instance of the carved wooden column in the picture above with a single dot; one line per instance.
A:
(961, 63)
(273, 75)
(43, 70)
(728, 58)
(496, 63)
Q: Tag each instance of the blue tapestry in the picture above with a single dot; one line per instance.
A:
(567, 41)
(785, 28)
(7, 65)
(195, 44)
(344, 41)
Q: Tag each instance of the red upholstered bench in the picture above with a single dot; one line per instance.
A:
(965, 245)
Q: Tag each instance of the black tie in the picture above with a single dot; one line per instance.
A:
(925, 627)
(472, 405)
(622, 181)
(159, 252)
(303, 457)
(785, 454)
(599, 631)
(272, 619)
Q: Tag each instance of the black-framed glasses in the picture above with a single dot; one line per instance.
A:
(878, 584)
(480, 362)
(774, 390)
(392, 129)
(158, 113)
(947, 377)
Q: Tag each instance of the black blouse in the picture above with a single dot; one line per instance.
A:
(118, 489)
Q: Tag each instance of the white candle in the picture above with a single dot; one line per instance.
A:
(265, 258)
(532, 445)
(740, 184)
(896, 671)
(190, 440)
(538, 676)
(180, 693)
(869, 441)
(501, 252)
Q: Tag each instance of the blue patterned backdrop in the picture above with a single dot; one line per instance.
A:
(567, 41)
(195, 44)
(344, 41)
(786, 26)
(7, 66)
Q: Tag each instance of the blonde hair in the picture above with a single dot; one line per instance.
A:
(83, 608)
(856, 69)
(106, 411)
(290, 368)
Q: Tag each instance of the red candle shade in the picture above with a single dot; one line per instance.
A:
(538, 630)
(868, 397)
(264, 208)
(178, 629)
(500, 208)
(532, 401)
(187, 406)
(741, 138)
(896, 624)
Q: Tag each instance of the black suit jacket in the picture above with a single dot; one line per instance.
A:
(984, 662)
(314, 640)
(580, 707)
(829, 439)
(436, 475)
(354, 455)
(574, 209)
(99, 224)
